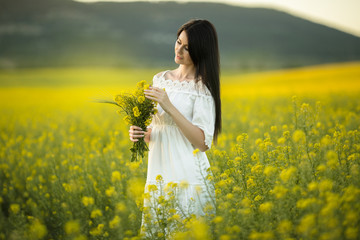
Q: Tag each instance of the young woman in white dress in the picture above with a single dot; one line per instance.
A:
(188, 118)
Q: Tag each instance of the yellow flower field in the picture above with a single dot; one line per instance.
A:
(287, 165)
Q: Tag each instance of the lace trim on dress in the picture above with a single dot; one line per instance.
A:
(208, 139)
(176, 85)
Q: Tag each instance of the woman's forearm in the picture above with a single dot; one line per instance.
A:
(193, 133)
(147, 135)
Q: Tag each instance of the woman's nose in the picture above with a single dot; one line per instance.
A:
(178, 49)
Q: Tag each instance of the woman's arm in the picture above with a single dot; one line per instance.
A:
(193, 133)
(147, 135)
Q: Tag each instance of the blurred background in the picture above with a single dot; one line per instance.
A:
(288, 154)
(253, 35)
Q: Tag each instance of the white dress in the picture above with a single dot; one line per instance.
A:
(171, 155)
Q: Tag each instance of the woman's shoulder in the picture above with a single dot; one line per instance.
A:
(161, 74)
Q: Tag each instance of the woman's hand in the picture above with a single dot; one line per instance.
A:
(159, 95)
(136, 132)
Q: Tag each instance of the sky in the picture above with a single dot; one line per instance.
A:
(340, 14)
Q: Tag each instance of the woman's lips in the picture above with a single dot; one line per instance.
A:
(178, 57)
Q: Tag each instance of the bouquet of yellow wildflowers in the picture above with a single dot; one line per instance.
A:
(138, 111)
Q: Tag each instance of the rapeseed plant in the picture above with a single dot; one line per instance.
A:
(283, 168)
(138, 111)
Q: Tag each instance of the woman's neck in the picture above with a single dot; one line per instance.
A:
(185, 72)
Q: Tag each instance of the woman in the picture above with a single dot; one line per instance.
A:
(188, 118)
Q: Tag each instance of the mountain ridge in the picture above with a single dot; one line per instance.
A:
(65, 33)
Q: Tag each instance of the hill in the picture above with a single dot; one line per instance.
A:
(64, 33)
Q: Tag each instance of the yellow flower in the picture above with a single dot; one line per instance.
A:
(184, 184)
(87, 201)
(72, 226)
(258, 141)
(281, 140)
(325, 185)
(352, 233)
(351, 193)
(97, 231)
(269, 170)
(304, 203)
(250, 182)
(286, 134)
(304, 107)
(284, 227)
(136, 111)
(246, 202)
(127, 120)
(141, 84)
(332, 159)
(152, 187)
(114, 222)
(287, 174)
(218, 219)
(266, 207)
(257, 168)
(321, 168)
(15, 208)
(120, 207)
(37, 230)
(159, 178)
(229, 196)
(115, 176)
(67, 187)
(299, 136)
(96, 213)
(141, 99)
(176, 217)
(312, 186)
(224, 237)
(196, 151)
(258, 198)
(110, 191)
(117, 99)
(148, 122)
(241, 138)
(350, 218)
(255, 157)
(307, 225)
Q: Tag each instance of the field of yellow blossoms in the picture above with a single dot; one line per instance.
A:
(287, 165)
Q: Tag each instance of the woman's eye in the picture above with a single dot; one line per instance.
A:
(178, 42)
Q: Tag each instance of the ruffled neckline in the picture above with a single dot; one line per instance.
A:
(177, 82)
(188, 86)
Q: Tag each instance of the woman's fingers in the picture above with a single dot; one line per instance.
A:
(154, 93)
(135, 127)
(135, 132)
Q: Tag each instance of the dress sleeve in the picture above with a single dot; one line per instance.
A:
(204, 116)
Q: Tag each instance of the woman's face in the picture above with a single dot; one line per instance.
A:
(182, 55)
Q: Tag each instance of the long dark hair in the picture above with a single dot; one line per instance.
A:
(204, 52)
